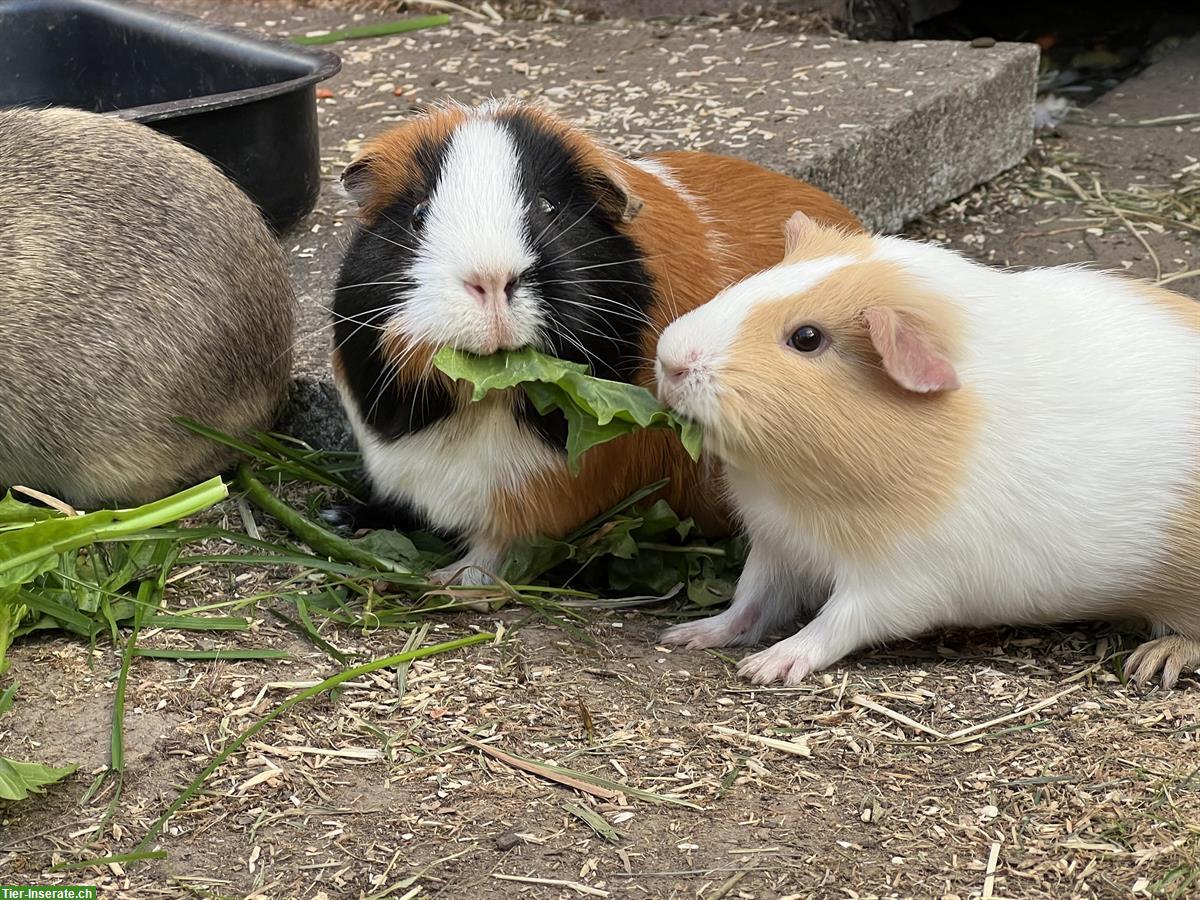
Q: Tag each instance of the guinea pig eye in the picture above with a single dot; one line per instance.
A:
(807, 339)
(546, 206)
(418, 213)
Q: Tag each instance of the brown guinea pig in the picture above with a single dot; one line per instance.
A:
(502, 227)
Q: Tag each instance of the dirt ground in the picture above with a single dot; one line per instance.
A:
(1009, 763)
(999, 763)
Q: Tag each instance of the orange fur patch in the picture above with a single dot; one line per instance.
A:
(390, 156)
(861, 459)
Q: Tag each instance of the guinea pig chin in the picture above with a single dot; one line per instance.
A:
(457, 319)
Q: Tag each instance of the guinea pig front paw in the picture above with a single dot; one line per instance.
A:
(1171, 654)
(728, 629)
(789, 662)
(462, 573)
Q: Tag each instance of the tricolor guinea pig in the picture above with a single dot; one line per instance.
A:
(946, 444)
(502, 227)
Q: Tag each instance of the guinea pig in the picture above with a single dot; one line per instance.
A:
(137, 285)
(946, 444)
(501, 227)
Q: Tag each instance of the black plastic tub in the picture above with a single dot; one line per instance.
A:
(245, 101)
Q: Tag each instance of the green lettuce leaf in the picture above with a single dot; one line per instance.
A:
(19, 779)
(597, 410)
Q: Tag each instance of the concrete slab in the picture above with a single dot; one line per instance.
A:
(890, 129)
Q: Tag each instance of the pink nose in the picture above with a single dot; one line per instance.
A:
(674, 374)
(676, 370)
(492, 290)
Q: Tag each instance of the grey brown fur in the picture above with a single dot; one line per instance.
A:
(137, 284)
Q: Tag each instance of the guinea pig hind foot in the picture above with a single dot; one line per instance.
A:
(1170, 655)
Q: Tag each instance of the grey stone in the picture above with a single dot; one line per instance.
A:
(891, 129)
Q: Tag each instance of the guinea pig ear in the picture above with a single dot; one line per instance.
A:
(358, 179)
(633, 205)
(909, 355)
(794, 231)
(628, 204)
(616, 193)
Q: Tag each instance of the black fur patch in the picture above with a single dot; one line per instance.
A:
(551, 427)
(377, 514)
(588, 273)
(371, 283)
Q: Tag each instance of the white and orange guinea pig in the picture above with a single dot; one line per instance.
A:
(946, 444)
(502, 227)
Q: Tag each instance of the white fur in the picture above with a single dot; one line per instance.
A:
(666, 175)
(717, 243)
(450, 471)
(1091, 399)
(475, 226)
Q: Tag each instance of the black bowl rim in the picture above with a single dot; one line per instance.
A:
(327, 64)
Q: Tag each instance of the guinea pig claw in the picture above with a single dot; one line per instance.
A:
(723, 630)
(778, 663)
(1170, 654)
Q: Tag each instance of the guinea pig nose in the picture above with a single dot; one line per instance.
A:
(674, 374)
(674, 370)
(491, 290)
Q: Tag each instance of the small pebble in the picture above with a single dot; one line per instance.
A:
(983, 42)
(507, 840)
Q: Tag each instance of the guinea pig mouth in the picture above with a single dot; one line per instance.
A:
(460, 322)
(679, 397)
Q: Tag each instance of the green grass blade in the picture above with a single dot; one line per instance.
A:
(138, 856)
(317, 474)
(319, 563)
(6, 699)
(594, 821)
(308, 632)
(116, 757)
(327, 685)
(149, 595)
(318, 538)
(70, 619)
(26, 553)
(295, 468)
(370, 31)
(633, 499)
